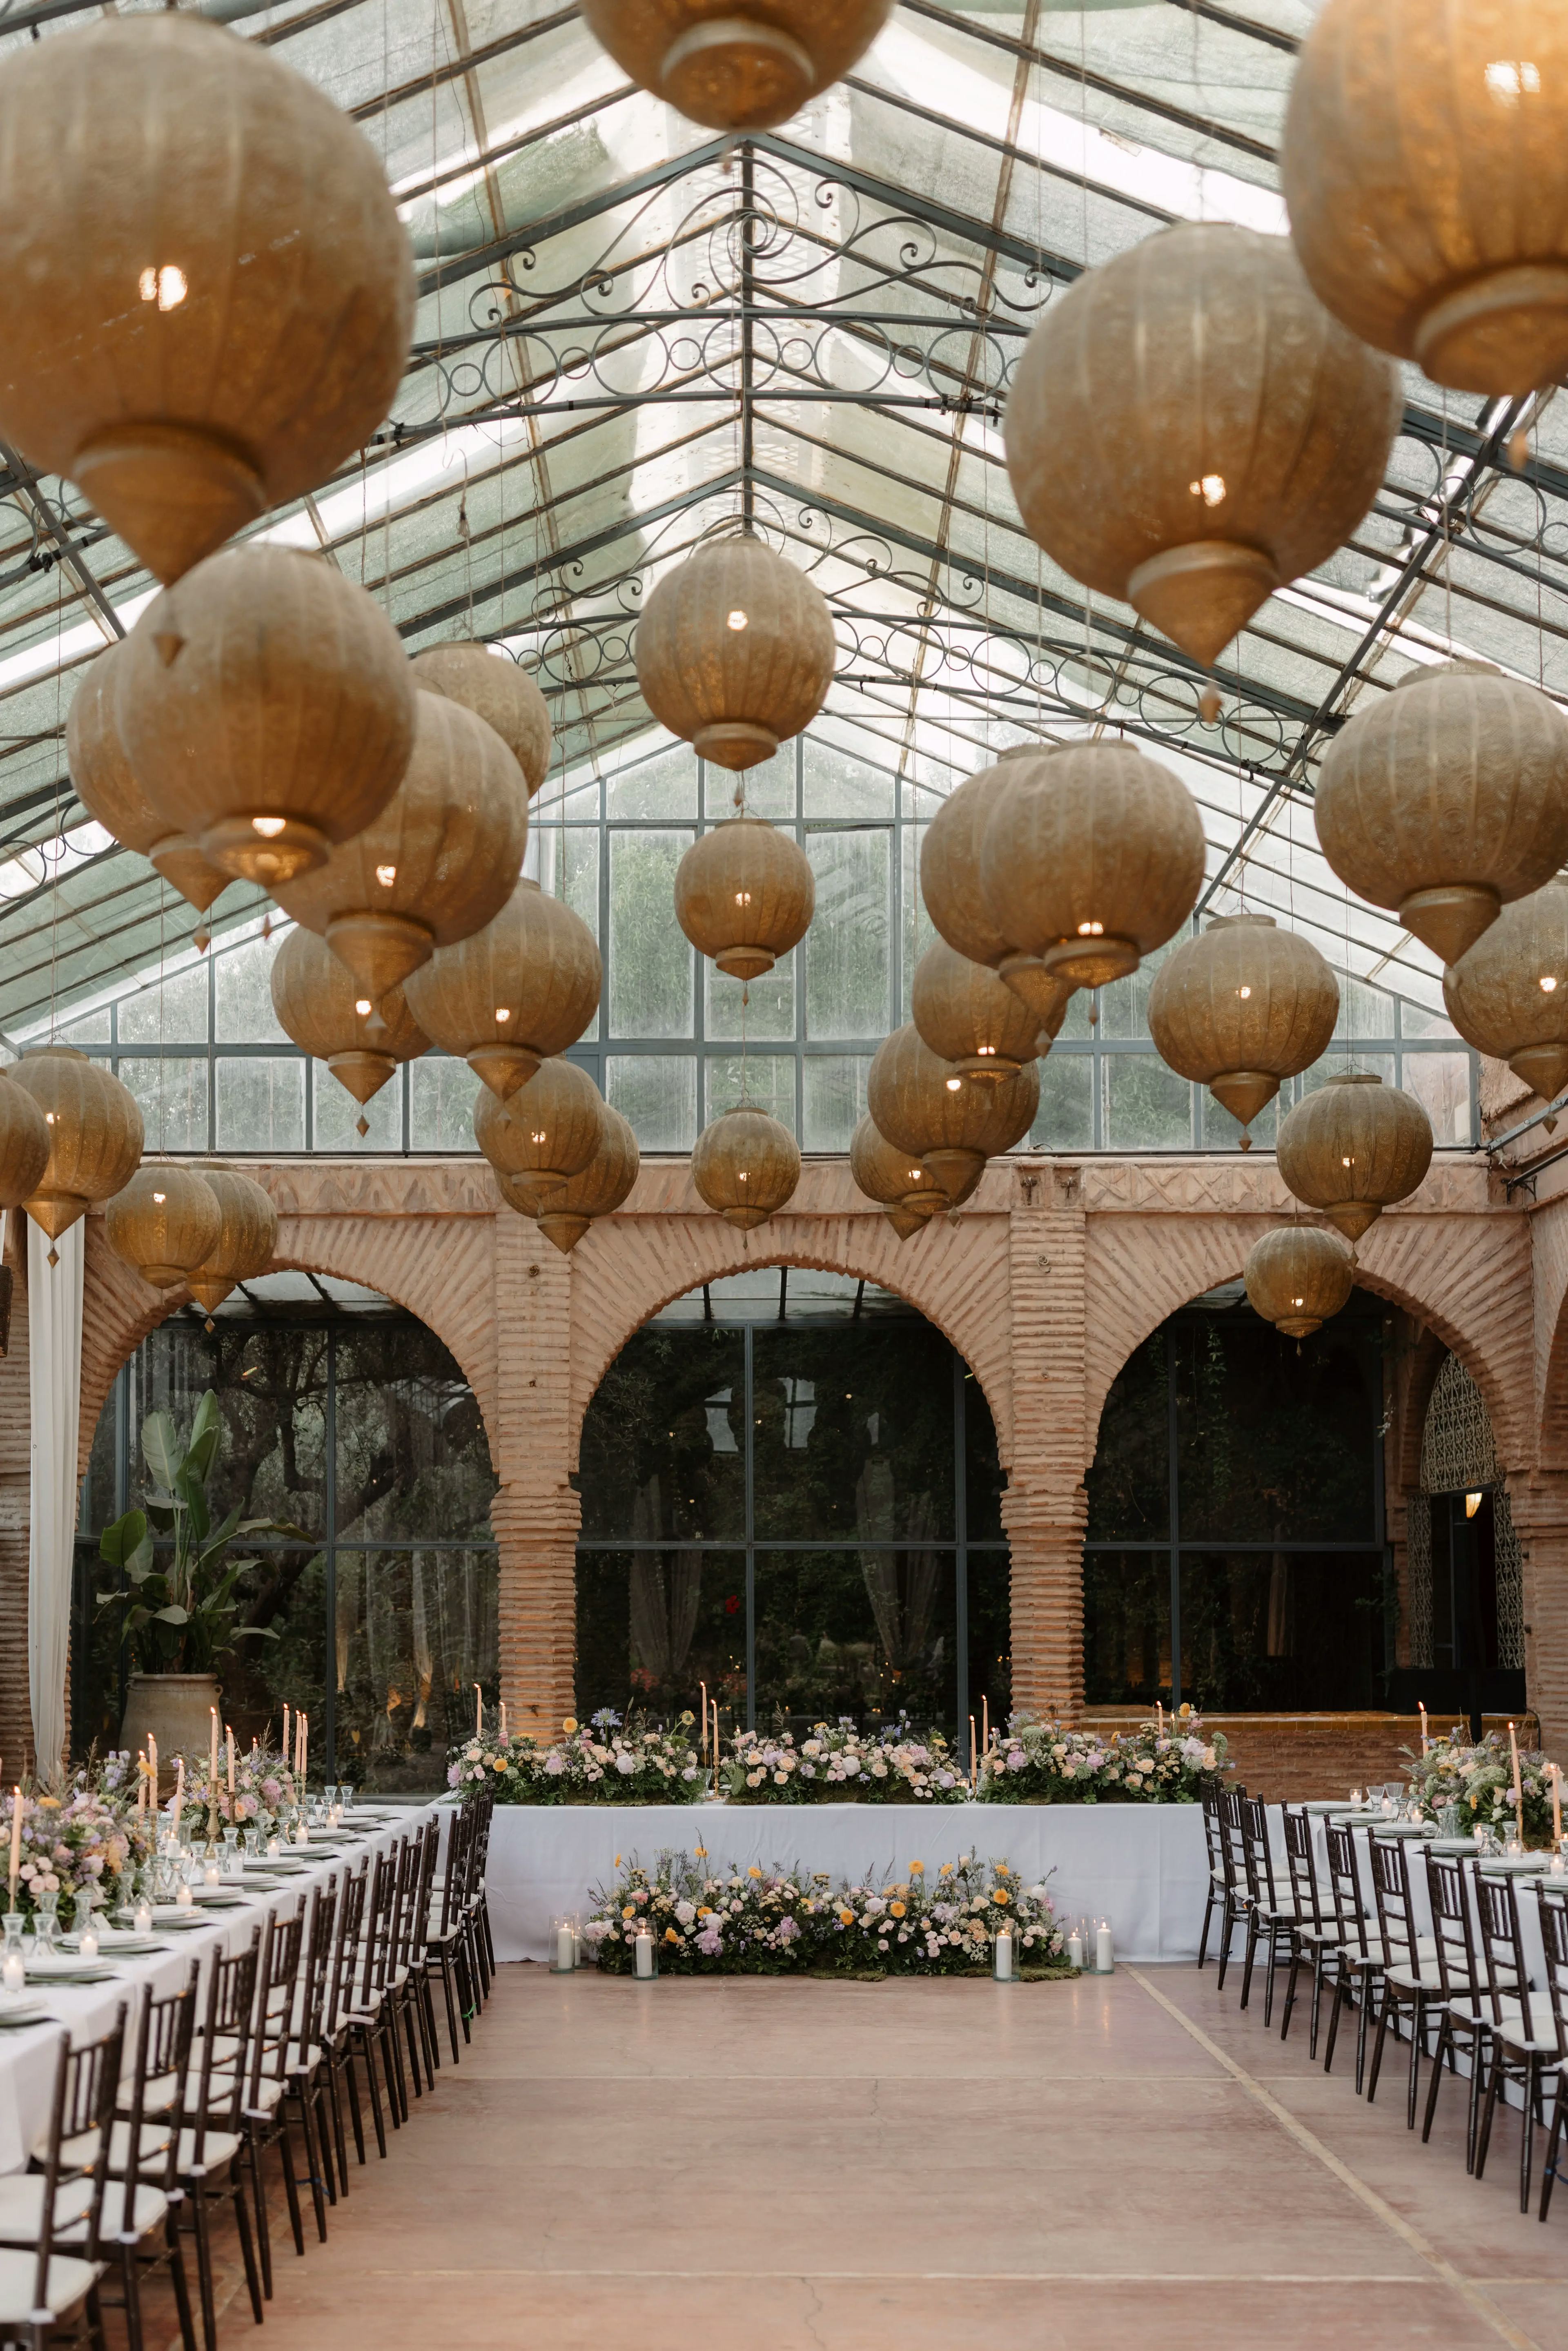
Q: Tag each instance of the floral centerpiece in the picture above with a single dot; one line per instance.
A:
(777, 1922)
(838, 1762)
(1476, 1784)
(1034, 1762)
(604, 1761)
(263, 1791)
(71, 1843)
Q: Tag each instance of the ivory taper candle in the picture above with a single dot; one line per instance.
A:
(1556, 1804)
(702, 1687)
(479, 1711)
(1518, 1782)
(287, 1751)
(973, 1763)
(230, 1730)
(1423, 1714)
(213, 1755)
(152, 1768)
(15, 1840)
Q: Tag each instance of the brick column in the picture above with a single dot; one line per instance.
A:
(534, 1513)
(1044, 1508)
(1538, 1499)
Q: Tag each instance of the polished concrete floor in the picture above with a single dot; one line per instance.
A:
(786, 2164)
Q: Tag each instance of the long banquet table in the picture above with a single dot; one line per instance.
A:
(1141, 1866)
(27, 2052)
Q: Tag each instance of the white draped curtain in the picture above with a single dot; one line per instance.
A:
(54, 1387)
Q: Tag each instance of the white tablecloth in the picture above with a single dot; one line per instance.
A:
(1141, 1866)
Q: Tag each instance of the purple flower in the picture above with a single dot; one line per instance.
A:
(554, 1764)
(787, 1929)
(710, 1942)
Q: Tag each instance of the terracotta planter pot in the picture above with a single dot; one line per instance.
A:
(176, 1709)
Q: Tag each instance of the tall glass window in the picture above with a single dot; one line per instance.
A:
(790, 1491)
(346, 1418)
(1235, 1553)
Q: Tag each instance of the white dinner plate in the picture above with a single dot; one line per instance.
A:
(65, 1970)
(17, 2012)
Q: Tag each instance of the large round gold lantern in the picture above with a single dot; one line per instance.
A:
(902, 1186)
(1241, 1007)
(953, 1124)
(247, 1234)
(736, 65)
(322, 1007)
(267, 707)
(1298, 1276)
(745, 895)
(955, 900)
(746, 1165)
(513, 994)
(1424, 165)
(564, 1212)
(1189, 429)
(163, 1222)
(24, 1146)
(499, 691)
(736, 651)
(1093, 857)
(545, 1131)
(1353, 1148)
(1445, 798)
(969, 1018)
(106, 787)
(205, 292)
(95, 1134)
(1508, 995)
(440, 860)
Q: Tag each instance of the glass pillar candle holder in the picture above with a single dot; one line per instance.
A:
(1004, 1954)
(1074, 1945)
(251, 1840)
(87, 1924)
(562, 1947)
(141, 1916)
(645, 1955)
(233, 1865)
(13, 1958)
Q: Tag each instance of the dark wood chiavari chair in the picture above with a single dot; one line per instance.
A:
(364, 2023)
(262, 2116)
(1512, 2052)
(1271, 1913)
(1553, 1902)
(1315, 1940)
(479, 1899)
(305, 2095)
(1216, 1895)
(446, 1951)
(1237, 1898)
(1411, 1987)
(213, 2145)
(142, 2208)
(1461, 2027)
(337, 2041)
(45, 2289)
(1359, 1954)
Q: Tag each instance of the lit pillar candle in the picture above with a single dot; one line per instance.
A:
(565, 1948)
(643, 1947)
(1105, 1959)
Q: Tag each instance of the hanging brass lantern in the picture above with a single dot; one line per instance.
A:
(1093, 857)
(545, 1131)
(902, 1187)
(321, 1007)
(439, 862)
(1445, 798)
(163, 1223)
(1353, 1148)
(499, 691)
(746, 1165)
(953, 1124)
(514, 994)
(1189, 430)
(106, 787)
(745, 895)
(95, 1134)
(24, 1146)
(1241, 1007)
(956, 901)
(564, 1212)
(1424, 165)
(1298, 1276)
(248, 1236)
(205, 293)
(267, 707)
(736, 651)
(736, 65)
(969, 1018)
(1508, 995)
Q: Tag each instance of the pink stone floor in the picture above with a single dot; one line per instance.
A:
(778, 2166)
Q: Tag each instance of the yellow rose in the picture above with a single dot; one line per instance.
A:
(499, 1764)
(1003, 1870)
(671, 1936)
(917, 1869)
(703, 1911)
(1001, 1894)
(752, 1870)
(629, 1912)
(568, 1726)
(897, 1909)
(702, 1853)
(846, 1918)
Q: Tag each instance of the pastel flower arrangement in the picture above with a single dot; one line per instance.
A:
(776, 1921)
(1476, 1782)
(264, 1790)
(605, 1760)
(1035, 1763)
(838, 1763)
(82, 1839)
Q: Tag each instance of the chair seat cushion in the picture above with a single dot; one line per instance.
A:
(218, 2147)
(22, 2205)
(70, 2282)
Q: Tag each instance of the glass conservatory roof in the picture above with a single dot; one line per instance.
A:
(629, 335)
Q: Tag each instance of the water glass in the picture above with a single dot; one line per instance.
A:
(252, 1845)
(346, 1795)
(47, 1925)
(12, 1959)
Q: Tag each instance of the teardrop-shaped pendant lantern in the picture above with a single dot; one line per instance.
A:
(205, 293)
(106, 787)
(1240, 1007)
(545, 1131)
(970, 1020)
(564, 1212)
(745, 895)
(439, 862)
(164, 1222)
(321, 1007)
(1189, 430)
(745, 1166)
(24, 1146)
(514, 994)
(267, 707)
(1298, 1276)
(736, 65)
(247, 1234)
(736, 651)
(1446, 799)
(1093, 857)
(955, 896)
(951, 1123)
(902, 1186)
(1354, 1147)
(95, 1134)
(499, 691)
(1508, 995)
(1424, 166)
